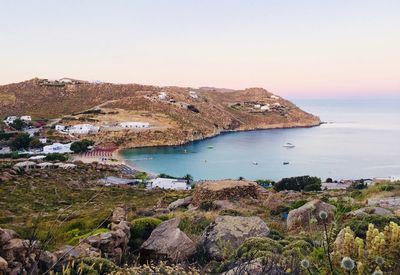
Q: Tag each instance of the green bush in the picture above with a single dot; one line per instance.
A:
(21, 141)
(75, 240)
(304, 183)
(141, 229)
(81, 146)
(56, 157)
(257, 247)
(297, 204)
(194, 225)
(360, 225)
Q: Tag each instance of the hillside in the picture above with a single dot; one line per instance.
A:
(179, 117)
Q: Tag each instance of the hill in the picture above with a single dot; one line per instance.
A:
(181, 114)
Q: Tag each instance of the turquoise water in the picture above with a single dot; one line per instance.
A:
(361, 139)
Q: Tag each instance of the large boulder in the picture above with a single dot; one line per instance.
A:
(228, 232)
(302, 217)
(370, 210)
(6, 235)
(3, 265)
(168, 241)
(180, 203)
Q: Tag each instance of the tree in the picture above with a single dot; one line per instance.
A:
(81, 146)
(35, 143)
(18, 124)
(21, 141)
(304, 183)
(188, 178)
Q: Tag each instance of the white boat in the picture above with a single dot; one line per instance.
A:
(289, 145)
(255, 163)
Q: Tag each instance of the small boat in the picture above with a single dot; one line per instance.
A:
(210, 147)
(289, 145)
(255, 163)
(285, 163)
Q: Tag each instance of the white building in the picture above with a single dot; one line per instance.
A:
(57, 148)
(10, 119)
(394, 178)
(162, 95)
(257, 106)
(83, 129)
(165, 183)
(43, 140)
(65, 80)
(265, 108)
(5, 150)
(193, 95)
(26, 118)
(133, 124)
(274, 97)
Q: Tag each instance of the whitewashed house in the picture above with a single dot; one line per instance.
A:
(26, 118)
(265, 108)
(257, 106)
(165, 183)
(133, 124)
(65, 80)
(5, 150)
(83, 129)
(57, 148)
(43, 140)
(193, 95)
(162, 95)
(394, 178)
(10, 119)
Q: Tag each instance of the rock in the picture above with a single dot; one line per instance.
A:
(168, 241)
(365, 211)
(228, 232)
(300, 218)
(224, 204)
(3, 265)
(256, 267)
(225, 190)
(6, 235)
(180, 203)
(46, 260)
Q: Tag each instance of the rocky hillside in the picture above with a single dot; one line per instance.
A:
(190, 113)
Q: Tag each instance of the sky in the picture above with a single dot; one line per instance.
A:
(307, 48)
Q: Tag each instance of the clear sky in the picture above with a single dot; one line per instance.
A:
(294, 48)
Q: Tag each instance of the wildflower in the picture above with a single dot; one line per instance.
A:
(347, 263)
(305, 264)
(323, 215)
(379, 260)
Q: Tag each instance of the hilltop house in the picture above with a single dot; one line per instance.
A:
(132, 124)
(26, 118)
(166, 183)
(83, 129)
(60, 128)
(193, 95)
(162, 95)
(265, 108)
(57, 148)
(10, 119)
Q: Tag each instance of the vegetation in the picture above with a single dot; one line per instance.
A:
(304, 183)
(56, 157)
(21, 141)
(81, 146)
(18, 124)
(141, 229)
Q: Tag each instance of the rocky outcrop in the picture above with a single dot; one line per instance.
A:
(365, 211)
(180, 203)
(18, 256)
(228, 232)
(303, 217)
(110, 245)
(168, 241)
(225, 190)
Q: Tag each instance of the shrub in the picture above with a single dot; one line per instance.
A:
(88, 265)
(297, 204)
(56, 157)
(208, 206)
(81, 146)
(194, 225)
(18, 124)
(304, 183)
(75, 240)
(21, 141)
(141, 229)
(360, 225)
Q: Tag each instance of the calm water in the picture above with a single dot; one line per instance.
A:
(362, 139)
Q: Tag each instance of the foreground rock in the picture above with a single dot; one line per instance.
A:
(303, 217)
(110, 245)
(228, 232)
(180, 203)
(225, 190)
(168, 241)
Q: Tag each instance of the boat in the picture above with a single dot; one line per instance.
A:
(210, 147)
(285, 163)
(255, 163)
(289, 145)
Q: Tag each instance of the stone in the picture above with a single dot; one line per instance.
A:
(180, 203)
(301, 218)
(229, 232)
(6, 235)
(168, 241)
(3, 265)
(365, 211)
(46, 260)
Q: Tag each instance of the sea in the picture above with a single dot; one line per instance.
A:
(359, 139)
